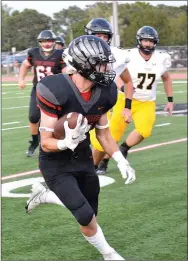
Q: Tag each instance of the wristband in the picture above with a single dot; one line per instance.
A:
(61, 144)
(170, 99)
(118, 156)
(128, 103)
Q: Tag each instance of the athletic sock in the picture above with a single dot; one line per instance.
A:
(124, 149)
(105, 161)
(99, 242)
(96, 166)
(35, 138)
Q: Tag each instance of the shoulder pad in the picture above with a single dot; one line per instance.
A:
(50, 88)
(32, 50)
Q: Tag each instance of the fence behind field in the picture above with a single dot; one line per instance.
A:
(10, 63)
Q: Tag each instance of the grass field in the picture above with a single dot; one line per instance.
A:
(143, 221)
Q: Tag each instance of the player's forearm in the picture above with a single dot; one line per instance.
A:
(167, 82)
(23, 72)
(126, 78)
(168, 88)
(129, 90)
(49, 145)
(108, 143)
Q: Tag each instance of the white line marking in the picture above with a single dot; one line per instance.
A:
(13, 84)
(157, 145)
(11, 108)
(174, 112)
(21, 174)
(9, 123)
(131, 151)
(162, 124)
(13, 128)
(17, 97)
(173, 92)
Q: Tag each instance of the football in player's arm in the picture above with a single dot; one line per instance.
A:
(67, 164)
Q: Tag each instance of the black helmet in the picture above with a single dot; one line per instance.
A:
(99, 26)
(147, 32)
(60, 40)
(87, 54)
(46, 35)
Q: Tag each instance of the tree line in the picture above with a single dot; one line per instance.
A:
(20, 29)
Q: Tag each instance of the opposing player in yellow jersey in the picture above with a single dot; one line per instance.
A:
(146, 66)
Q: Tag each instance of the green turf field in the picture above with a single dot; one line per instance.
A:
(146, 220)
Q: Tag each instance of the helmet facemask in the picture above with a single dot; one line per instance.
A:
(49, 46)
(89, 31)
(92, 59)
(148, 49)
(147, 33)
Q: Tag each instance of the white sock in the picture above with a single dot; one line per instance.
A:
(48, 196)
(99, 242)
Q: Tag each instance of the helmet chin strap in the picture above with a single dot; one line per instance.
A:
(146, 50)
(48, 50)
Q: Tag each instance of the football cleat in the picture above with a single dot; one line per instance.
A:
(113, 256)
(102, 168)
(37, 190)
(31, 150)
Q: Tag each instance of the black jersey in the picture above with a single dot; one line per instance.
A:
(43, 64)
(57, 95)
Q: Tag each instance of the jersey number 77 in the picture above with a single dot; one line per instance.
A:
(147, 79)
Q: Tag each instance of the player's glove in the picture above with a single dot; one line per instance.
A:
(127, 172)
(73, 136)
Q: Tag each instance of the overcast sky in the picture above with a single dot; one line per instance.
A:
(50, 7)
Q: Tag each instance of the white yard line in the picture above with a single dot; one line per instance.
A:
(162, 124)
(13, 128)
(9, 123)
(174, 112)
(13, 84)
(11, 108)
(159, 92)
(15, 97)
(131, 151)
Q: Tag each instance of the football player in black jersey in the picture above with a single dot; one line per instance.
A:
(46, 60)
(59, 43)
(67, 165)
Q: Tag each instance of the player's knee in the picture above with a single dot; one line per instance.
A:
(34, 117)
(145, 133)
(84, 214)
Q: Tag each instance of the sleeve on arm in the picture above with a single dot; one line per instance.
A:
(30, 56)
(166, 62)
(45, 101)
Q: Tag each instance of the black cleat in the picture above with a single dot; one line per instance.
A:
(31, 150)
(102, 168)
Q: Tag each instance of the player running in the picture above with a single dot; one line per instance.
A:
(45, 60)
